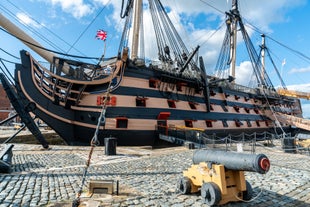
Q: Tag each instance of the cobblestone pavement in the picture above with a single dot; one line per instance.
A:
(147, 177)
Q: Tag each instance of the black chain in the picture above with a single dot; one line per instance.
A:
(94, 142)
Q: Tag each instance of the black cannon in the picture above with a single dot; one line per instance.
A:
(219, 175)
(233, 160)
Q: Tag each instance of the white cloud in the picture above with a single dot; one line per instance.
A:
(105, 2)
(26, 20)
(114, 17)
(243, 73)
(181, 11)
(75, 7)
(300, 70)
(300, 87)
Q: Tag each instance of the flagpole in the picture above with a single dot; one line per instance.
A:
(105, 46)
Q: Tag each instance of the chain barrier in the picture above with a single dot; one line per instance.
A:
(288, 142)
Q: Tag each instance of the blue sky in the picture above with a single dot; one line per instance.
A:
(68, 22)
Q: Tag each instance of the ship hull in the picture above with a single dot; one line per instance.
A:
(133, 123)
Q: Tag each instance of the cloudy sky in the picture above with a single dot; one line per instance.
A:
(71, 25)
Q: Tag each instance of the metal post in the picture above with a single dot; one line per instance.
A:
(117, 187)
(8, 119)
(242, 138)
(226, 147)
(254, 143)
(14, 135)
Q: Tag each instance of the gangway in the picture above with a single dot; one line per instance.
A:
(292, 93)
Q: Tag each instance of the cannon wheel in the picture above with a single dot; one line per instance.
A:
(248, 194)
(184, 185)
(210, 193)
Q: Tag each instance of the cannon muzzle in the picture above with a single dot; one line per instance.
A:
(233, 160)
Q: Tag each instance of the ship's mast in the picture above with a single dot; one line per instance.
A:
(136, 28)
(233, 39)
(263, 57)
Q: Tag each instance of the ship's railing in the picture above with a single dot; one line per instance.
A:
(61, 89)
(173, 69)
(239, 88)
(81, 71)
(255, 91)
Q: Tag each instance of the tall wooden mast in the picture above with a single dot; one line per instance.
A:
(263, 57)
(233, 39)
(136, 28)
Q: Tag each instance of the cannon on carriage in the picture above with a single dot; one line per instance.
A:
(219, 175)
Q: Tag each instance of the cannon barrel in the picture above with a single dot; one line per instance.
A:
(233, 160)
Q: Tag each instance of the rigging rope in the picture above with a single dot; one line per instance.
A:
(287, 47)
(274, 66)
(88, 26)
(9, 54)
(171, 48)
(125, 33)
(50, 31)
(223, 60)
(31, 29)
(56, 52)
(8, 61)
(212, 7)
(265, 81)
(7, 74)
(128, 7)
(50, 42)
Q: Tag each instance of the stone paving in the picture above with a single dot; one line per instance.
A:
(147, 177)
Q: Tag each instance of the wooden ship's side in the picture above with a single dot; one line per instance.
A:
(140, 102)
(146, 102)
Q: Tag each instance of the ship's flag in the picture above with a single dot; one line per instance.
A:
(101, 35)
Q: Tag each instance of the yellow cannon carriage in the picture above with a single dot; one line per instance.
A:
(219, 175)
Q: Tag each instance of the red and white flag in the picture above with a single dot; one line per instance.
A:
(101, 35)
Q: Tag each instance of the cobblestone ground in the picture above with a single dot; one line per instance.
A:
(146, 177)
